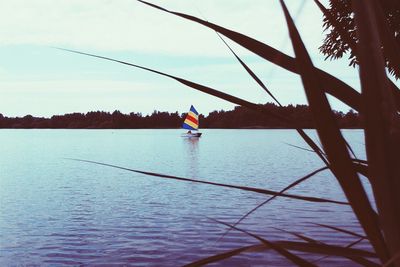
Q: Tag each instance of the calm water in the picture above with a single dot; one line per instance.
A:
(55, 211)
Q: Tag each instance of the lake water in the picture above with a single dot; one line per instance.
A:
(54, 211)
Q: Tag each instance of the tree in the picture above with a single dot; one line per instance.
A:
(342, 38)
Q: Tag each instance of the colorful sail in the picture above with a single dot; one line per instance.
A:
(192, 120)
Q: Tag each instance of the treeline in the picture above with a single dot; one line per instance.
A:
(240, 117)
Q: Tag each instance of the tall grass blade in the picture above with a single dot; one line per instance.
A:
(361, 168)
(341, 230)
(394, 259)
(218, 94)
(221, 256)
(274, 196)
(313, 145)
(299, 147)
(348, 246)
(306, 138)
(196, 86)
(281, 250)
(395, 91)
(324, 249)
(334, 86)
(382, 124)
(193, 85)
(362, 261)
(361, 161)
(300, 236)
(311, 247)
(250, 72)
(245, 188)
(334, 143)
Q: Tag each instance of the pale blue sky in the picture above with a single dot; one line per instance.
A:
(39, 80)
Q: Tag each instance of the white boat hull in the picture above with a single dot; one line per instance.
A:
(190, 135)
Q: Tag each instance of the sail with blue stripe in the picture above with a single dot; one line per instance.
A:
(192, 120)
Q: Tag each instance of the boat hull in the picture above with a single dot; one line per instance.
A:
(192, 135)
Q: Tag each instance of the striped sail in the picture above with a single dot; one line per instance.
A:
(192, 120)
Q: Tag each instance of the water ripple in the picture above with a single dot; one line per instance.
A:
(61, 213)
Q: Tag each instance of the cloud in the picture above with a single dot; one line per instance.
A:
(39, 80)
(131, 26)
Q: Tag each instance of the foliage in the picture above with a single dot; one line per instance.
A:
(341, 37)
(238, 118)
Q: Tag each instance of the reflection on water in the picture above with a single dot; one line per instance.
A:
(191, 145)
(56, 212)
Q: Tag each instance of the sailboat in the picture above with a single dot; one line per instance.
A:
(191, 123)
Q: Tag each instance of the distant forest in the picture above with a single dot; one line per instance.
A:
(240, 117)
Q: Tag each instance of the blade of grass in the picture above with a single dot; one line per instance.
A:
(325, 249)
(382, 125)
(245, 188)
(303, 237)
(221, 256)
(336, 88)
(395, 258)
(313, 145)
(355, 242)
(315, 247)
(361, 166)
(360, 260)
(341, 230)
(249, 71)
(350, 148)
(334, 143)
(274, 196)
(299, 147)
(395, 91)
(361, 169)
(348, 246)
(307, 139)
(196, 86)
(361, 161)
(218, 94)
(284, 252)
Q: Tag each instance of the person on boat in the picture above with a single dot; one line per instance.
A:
(189, 132)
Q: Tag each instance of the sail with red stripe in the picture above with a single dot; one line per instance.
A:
(192, 120)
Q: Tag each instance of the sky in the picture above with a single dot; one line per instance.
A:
(37, 79)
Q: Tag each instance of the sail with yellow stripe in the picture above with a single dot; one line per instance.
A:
(192, 120)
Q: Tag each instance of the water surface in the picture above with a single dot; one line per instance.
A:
(54, 211)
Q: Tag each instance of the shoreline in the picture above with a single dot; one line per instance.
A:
(241, 128)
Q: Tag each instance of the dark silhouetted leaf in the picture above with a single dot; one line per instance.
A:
(245, 188)
(341, 230)
(382, 126)
(221, 256)
(275, 246)
(334, 143)
(274, 196)
(333, 86)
